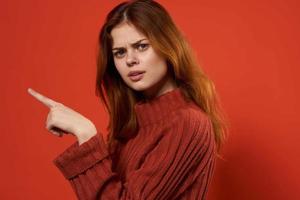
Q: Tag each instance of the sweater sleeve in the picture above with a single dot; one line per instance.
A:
(182, 154)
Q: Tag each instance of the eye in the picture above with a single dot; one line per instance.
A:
(142, 46)
(119, 53)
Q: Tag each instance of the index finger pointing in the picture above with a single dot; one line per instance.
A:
(45, 100)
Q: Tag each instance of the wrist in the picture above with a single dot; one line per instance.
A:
(86, 133)
(84, 138)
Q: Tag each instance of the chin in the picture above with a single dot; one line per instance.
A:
(139, 86)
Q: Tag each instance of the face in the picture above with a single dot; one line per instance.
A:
(141, 68)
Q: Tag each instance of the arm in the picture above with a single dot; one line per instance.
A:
(181, 155)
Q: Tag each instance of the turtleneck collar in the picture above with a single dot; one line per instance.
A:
(153, 110)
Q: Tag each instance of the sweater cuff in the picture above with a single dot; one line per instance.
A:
(78, 158)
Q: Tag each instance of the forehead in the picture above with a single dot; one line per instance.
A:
(124, 34)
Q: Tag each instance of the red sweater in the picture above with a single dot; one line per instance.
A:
(171, 158)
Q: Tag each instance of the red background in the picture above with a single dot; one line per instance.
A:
(250, 49)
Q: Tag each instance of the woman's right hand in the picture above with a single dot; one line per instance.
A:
(63, 120)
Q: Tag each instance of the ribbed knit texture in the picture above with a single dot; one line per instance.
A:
(171, 158)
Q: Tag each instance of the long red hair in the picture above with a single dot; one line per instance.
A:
(151, 19)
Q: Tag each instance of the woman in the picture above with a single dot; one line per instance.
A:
(165, 123)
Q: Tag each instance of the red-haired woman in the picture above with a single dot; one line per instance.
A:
(166, 126)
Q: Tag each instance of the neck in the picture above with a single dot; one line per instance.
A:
(165, 85)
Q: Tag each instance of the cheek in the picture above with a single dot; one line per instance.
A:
(158, 65)
(119, 67)
(160, 70)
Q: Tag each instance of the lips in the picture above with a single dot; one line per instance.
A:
(136, 75)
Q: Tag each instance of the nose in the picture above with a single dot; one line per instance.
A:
(131, 59)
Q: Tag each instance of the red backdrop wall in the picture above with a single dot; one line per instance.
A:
(250, 49)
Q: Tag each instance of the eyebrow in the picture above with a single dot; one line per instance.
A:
(133, 44)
